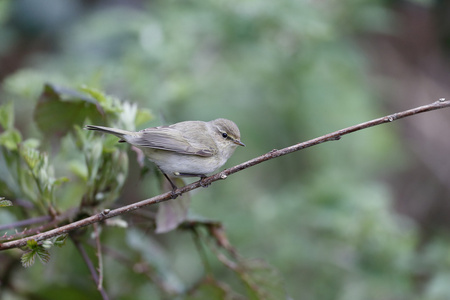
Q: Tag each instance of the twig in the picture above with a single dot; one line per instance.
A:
(201, 250)
(67, 215)
(107, 213)
(91, 268)
(139, 267)
(25, 222)
(98, 245)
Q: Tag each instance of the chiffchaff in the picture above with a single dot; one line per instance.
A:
(190, 148)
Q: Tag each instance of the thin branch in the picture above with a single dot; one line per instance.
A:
(25, 222)
(91, 268)
(99, 257)
(201, 250)
(334, 136)
(67, 215)
(139, 267)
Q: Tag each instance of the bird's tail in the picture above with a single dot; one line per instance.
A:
(117, 132)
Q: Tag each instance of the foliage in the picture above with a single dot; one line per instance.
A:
(284, 71)
(100, 167)
(35, 250)
(29, 257)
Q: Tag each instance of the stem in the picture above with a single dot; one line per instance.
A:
(99, 257)
(91, 268)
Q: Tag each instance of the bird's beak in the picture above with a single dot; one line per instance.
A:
(238, 142)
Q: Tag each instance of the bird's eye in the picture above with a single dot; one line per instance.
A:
(225, 135)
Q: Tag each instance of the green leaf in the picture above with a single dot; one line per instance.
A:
(143, 115)
(7, 115)
(43, 255)
(4, 202)
(32, 157)
(10, 139)
(59, 109)
(32, 244)
(29, 257)
(60, 240)
(108, 103)
(79, 169)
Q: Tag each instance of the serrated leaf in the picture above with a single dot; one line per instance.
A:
(43, 254)
(28, 259)
(4, 202)
(60, 240)
(59, 109)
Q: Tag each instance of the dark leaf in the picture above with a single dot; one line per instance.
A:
(172, 213)
(59, 109)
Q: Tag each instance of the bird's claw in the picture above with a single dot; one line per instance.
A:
(174, 194)
(203, 183)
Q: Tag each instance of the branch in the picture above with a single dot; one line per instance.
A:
(334, 136)
(67, 215)
(91, 268)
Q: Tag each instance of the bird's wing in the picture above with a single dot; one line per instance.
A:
(170, 139)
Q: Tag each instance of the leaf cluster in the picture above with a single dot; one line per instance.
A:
(96, 168)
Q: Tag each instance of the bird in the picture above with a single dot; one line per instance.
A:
(184, 149)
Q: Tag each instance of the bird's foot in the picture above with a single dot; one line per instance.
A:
(203, 182)
(174, 194)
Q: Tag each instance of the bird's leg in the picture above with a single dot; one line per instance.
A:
(174, 187)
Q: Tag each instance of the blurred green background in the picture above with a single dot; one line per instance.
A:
(366, 217)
